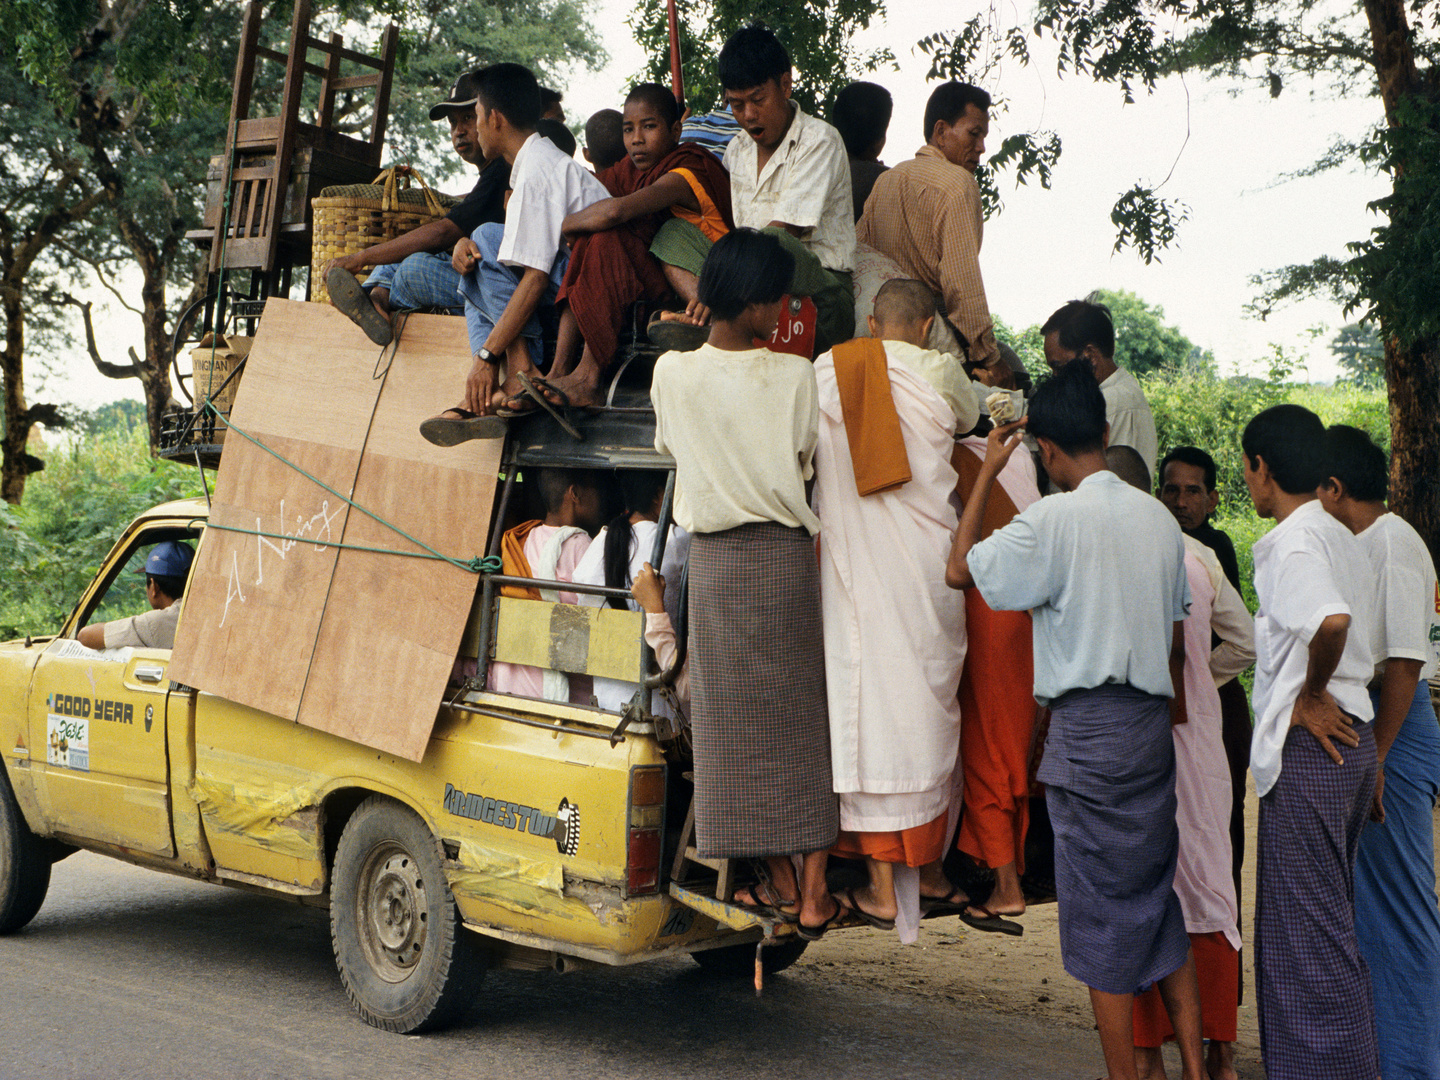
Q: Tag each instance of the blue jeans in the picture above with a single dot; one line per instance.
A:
(488, 289)
(422, 280)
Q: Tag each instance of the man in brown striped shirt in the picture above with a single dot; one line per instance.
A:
(925, 215)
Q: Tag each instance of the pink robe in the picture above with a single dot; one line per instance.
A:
(1203, 880)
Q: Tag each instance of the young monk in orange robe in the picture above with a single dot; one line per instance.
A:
(611, 266)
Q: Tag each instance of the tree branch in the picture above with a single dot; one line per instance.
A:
(109, 370)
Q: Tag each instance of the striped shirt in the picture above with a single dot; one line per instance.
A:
(925, 215)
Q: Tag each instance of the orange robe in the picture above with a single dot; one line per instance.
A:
(1217, 968)
(997, 706)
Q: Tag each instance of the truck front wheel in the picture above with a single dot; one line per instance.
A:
(24, 865)
(405, 957)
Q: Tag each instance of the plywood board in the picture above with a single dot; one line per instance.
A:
(403, 618)
(351, 642)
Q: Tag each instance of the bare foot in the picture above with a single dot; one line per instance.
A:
(1220, 1062)
(868, 901)
(581, 387)
(1007, 898)
(1149, 1064)
(680, 317)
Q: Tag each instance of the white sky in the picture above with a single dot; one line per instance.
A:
(1047, 247)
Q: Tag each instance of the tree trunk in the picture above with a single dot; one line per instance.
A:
(16, 462)
(1414, 378)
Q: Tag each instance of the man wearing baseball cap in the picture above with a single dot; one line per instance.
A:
(413, 270)
(166, 569)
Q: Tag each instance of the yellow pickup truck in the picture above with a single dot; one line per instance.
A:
(530, 834)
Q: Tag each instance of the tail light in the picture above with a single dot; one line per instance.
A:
(646, 829)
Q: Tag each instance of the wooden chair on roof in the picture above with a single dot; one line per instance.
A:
(276, 164)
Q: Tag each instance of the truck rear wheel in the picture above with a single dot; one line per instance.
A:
(405, 957)
(24, 865)
(739, 960)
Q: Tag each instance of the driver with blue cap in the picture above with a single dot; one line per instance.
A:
(166, 569)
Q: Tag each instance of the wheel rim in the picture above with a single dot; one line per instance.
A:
(392, 910)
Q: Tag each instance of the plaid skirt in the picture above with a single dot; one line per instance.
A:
(757, 682)
(1312, 986)
(1109, 771)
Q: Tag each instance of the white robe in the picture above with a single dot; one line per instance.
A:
(894, 631)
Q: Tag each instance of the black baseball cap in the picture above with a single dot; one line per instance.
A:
(463, 95)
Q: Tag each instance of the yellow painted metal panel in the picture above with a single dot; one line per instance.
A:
(569, 637)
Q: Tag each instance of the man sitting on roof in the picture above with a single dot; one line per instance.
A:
(510, 274)
(661, 179)
(788, 176)
(413, 270)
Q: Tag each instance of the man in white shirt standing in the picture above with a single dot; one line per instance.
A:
(1313, 759)
(1397, 921)
(1081, 328)
(510, 273)
(1101, 568)
(789, 175)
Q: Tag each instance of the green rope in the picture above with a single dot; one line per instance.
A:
(475, 565)
(489, 564)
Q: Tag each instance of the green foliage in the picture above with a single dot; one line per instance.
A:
(1146, 223)
(52, 544)
(1361, 354)
(1028, 345)
(1143, 340)
(818, 35)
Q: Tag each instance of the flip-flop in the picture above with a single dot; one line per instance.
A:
(989, 921)
(770, 910)
(673, 335)
(537, 388)
(815, 933)
(849, 903)
(350, 297)
(945, 905)
(444, 430)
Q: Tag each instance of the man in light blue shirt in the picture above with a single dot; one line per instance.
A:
(1101, 568)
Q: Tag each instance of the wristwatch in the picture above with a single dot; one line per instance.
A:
(485, 355)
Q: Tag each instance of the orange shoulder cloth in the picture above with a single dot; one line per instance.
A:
(872, 426)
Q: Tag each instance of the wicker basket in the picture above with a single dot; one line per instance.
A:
(357, 216)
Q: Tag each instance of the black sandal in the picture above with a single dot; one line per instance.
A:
(443, 430)
(350, 297)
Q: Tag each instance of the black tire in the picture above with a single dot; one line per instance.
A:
(406, 959)
(739, 960)
(24, 864)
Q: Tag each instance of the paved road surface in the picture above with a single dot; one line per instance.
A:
(129, 973)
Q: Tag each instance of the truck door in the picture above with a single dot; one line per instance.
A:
(97, 727)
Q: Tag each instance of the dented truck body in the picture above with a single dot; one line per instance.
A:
(549, 821)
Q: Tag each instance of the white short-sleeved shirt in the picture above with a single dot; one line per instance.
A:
(153, 629)
(545, 187)
(742, 428)
(1407, 623)
(806, 183)
(1128, 413)
(1306, 568)
(1102, 571)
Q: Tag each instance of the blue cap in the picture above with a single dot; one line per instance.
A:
(170, 559)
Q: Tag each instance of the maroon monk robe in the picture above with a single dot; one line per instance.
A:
(608, 271)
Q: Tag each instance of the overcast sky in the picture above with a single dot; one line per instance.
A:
(1047, 247)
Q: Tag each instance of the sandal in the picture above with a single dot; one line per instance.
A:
(988, 921)
(445, 430)
(537, 388)
(673, 335)
(849, 903)
(350, 297)
(815, 933)
(766, 903)
(952, 903)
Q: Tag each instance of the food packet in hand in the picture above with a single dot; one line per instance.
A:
(1005, 406)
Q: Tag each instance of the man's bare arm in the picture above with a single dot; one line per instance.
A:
(1315, 710)
(670, 190)
(92, 636)
(433, 236)
(1000, 444)
(1397, 690)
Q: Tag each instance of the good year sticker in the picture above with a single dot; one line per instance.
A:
(68, 742)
